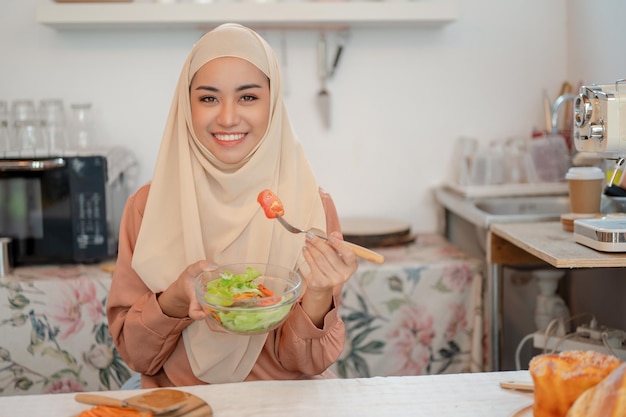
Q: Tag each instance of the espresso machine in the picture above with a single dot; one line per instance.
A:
(600, 130)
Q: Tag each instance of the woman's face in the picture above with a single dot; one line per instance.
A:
(230, 107)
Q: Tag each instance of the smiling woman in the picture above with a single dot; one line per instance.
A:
(227, 138)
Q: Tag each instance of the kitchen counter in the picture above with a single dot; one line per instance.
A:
(523, 243)
(476, 394)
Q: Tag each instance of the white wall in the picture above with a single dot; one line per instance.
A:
(400, 96)
(595, 41)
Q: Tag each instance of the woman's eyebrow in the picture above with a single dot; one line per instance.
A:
(240, 88)
(248, 87)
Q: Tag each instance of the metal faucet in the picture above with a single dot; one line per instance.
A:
(554, 109)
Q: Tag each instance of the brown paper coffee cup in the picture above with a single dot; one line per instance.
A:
(585, 189)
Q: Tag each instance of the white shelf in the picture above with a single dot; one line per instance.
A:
(304, 15)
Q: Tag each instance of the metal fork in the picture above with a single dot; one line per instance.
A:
(359, 251)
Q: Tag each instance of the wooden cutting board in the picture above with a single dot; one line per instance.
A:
(374, 232)
(164, 402)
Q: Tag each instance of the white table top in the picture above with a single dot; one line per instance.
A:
(477, 394)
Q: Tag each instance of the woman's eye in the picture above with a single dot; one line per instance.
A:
(248, 98)
(208, 99)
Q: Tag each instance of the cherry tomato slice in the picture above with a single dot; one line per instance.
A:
(271, 204)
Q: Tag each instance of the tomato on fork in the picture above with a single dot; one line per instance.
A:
(271, 204)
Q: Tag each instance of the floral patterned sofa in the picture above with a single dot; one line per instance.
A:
(418, 313)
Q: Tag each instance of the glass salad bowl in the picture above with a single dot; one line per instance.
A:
(248, 298)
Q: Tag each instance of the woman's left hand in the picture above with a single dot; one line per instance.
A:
(332, 263)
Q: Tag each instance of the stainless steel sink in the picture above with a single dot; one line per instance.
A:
(522, 207)
(486, 210)
(467, 219)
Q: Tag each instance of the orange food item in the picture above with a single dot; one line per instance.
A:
(271, 204)
(560, 378)
(607, 399)
(266, 291)
(112, 411)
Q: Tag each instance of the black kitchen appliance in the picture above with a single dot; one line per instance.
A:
(64, 209)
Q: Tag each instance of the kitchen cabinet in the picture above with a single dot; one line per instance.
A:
(292, 15)
(536, 243)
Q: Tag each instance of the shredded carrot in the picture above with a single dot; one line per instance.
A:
(266, 291)
(268, 297)
(269, 301)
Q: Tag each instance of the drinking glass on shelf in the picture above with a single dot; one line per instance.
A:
(28, 135)
(81, 126)
(6, 142)
(53, 124)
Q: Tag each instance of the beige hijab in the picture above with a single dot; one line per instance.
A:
(200, 208)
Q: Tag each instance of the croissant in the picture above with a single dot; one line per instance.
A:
(607, 399)
(560, 378)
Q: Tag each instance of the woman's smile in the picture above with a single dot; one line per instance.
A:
(229, 137)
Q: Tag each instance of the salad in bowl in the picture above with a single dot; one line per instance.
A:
(248, 298)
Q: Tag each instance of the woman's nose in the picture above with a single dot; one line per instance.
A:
(228, 115)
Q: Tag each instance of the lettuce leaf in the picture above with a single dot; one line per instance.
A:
(221, 291)
(251, 322)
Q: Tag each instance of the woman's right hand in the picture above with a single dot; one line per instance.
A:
(179, 299)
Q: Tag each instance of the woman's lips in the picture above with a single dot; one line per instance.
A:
(229, 137)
